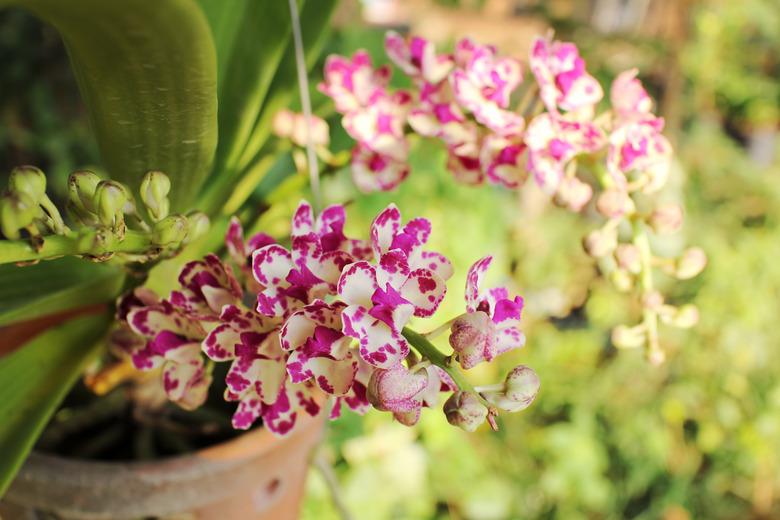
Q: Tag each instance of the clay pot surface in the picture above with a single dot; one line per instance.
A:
(255, 476)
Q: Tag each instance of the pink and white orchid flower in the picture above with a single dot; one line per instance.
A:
(489, 327)
(561, 75)
(417, 57)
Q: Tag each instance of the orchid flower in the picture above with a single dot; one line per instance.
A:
(319, 350)
(417, 58)
(483, 83)
(206, 286)
(560, 73)
(636, 142)
(489, 327)
(173, 343)
(353, 83)
(308, 272)
(382, 297)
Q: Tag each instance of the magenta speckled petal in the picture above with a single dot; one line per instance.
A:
(384, 229)
(357, 284)
(425, 290)
(474, 279)
(271, 264)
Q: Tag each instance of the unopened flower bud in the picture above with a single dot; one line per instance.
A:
(199, 224)
(398, 390)
(656, 357)
(522, 385)
(29, 180)
(600, 242)
(652, 300)
(622, 280)
(320, 133)
(464, 410)
(78, 216)
(172, 229)
(573, 194)
(683, 317)
(17, 211)
(614, 203)
(629, 257)
(283, 122)
(81, 187)
(289, 125)
(666, 219)
(155, 186)
(628, 337)
(473, 338)
(691, 263)
(516, 393)
(108, 200)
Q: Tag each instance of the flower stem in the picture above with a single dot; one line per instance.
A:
(438, 330)
(649, 316)
(427, 350)
(54, 214)
(87, 242)
(303, 86)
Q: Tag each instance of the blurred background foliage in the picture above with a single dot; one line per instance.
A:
(609, 436)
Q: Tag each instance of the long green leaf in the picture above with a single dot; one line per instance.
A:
(147, 72)
(251, 39)
(315, 20)
(245, 163)
(34, 380)
(48, 287)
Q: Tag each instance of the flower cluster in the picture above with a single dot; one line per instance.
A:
(330, 317)
(464, 100)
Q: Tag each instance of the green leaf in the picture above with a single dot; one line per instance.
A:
(35, 379)
(315, 20)
(48, 287)
(251, 38)
(147, 72)
(260, 80)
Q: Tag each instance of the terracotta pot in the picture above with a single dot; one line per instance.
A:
(255, 476)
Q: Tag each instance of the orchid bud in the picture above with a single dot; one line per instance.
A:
(172, 229)
(320, 133)
(473, 338)
(17, 211)
(622, 280)
(614, 203)
(108, 200)
(78, 216)
(81, 186)
(691, 263)
(520, 388)
(573, 194)
(199, 224)
(464, 410)
(394, 388)
(666, 219)
(283, 123)
(28, 179)
(628, 337)
(129, 208)
(683, 317)
(656, 357)
(600, 242)
(398, 390)
(155, 186)
(652, 300)
(628, 257)
(522, 385)
(318, 129)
